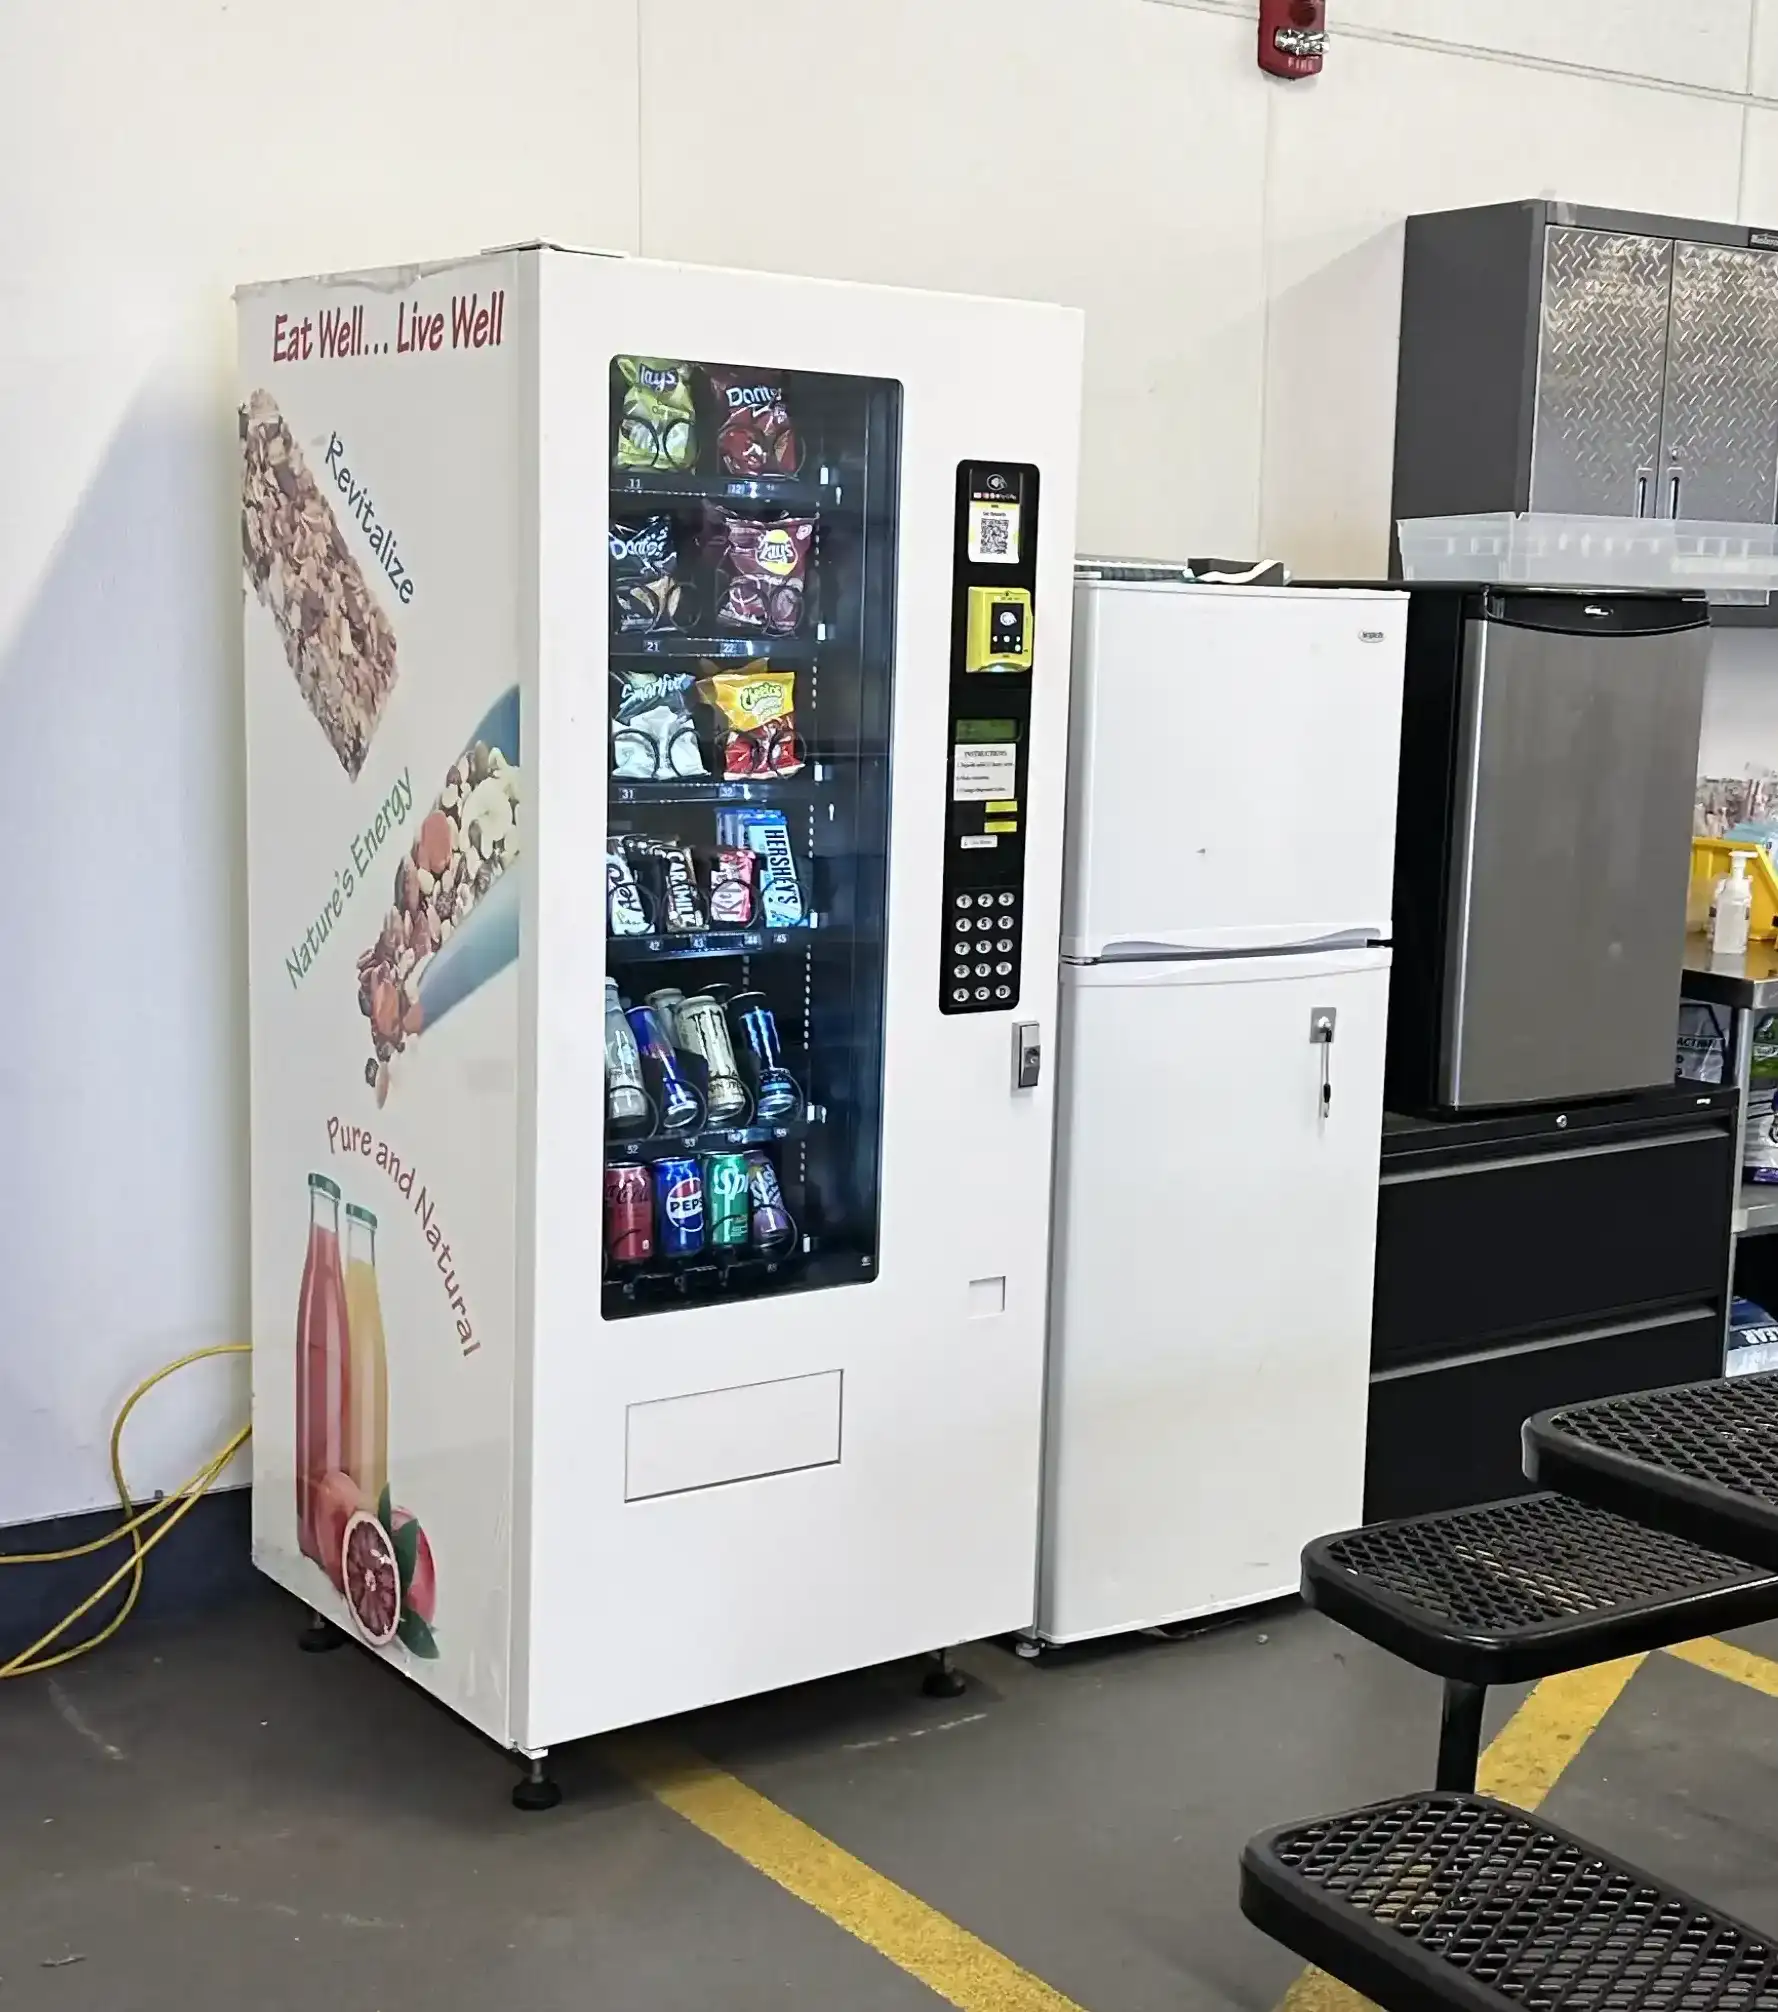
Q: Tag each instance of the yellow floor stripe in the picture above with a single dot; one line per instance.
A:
(960, 1967)
(1741, 1666)
(1522, 1764)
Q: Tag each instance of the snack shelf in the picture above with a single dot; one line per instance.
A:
(724, 789)
(784, 492)
(724, 1139)
(702, 943)
(788, 651)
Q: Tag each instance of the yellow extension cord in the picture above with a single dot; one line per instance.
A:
(170, 1510)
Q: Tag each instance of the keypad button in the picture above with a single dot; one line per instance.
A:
(1004, 967)
(984, 901)
(963, 901)
(1004, 945)
(981, 991)
(984, 970)
(959, 970)
(1006, 900)
(1002, 991)
(960, 948)
(960, 996)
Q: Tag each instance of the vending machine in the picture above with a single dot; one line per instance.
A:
(656, 699)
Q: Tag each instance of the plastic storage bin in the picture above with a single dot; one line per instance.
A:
(1729, 562)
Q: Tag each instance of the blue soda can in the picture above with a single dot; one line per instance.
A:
(758, 1028)
(679, 1207)
(771, 1227)
(682, 1109)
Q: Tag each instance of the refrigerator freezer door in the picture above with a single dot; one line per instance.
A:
(1575, 793)
(1211, 1307)
(1232, 767)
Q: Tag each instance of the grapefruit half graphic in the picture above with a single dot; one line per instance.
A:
(372, 1579)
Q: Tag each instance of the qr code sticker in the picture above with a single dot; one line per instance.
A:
(994, 534)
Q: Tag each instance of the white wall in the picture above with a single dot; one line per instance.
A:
(1236, 244)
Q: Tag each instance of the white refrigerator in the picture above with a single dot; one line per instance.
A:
(1225, 976)
(656, 714)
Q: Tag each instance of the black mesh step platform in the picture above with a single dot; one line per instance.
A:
(1454, 1901)
(1700, 1460)
(1512, 1591)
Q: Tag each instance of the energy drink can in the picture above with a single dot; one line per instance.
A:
(726, 1185)
(626, 1101)
(704, 1031)
(681, 1108)
(758, 1027)
(666, 1002)
(771, 1227)
(629, 1214)
(679, 1207)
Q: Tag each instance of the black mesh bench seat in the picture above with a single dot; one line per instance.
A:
(1700, 1459)
(1454, 1901)
(1512, 1591)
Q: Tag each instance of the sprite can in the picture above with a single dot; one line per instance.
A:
(726, 1208)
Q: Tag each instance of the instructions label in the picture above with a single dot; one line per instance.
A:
(983, 770)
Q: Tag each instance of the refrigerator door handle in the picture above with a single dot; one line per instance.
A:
(1323, 1021)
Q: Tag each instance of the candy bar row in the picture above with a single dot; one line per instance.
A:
(668, 410)
(655, 739)
(661, 886)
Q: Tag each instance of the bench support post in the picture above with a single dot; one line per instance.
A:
(1460, 1734)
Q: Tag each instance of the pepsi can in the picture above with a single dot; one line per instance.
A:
(771, 1226)
(679, 1207)
(758, 1027)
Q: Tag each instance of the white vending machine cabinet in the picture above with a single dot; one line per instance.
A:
(656, 714)
(1224, 1005)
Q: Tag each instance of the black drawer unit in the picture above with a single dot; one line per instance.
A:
(1535, 1259)
(1446, 1434)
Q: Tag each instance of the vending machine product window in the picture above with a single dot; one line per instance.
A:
(752, 588)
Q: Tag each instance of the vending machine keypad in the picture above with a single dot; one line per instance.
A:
(993, 635)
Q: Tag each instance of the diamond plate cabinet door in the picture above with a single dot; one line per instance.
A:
(1601, 371)
(1719, 442)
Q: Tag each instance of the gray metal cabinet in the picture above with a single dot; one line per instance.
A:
(1719, 424)
(1589, 361)
(1601, 372)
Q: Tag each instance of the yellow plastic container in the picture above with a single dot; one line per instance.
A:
(1710, 861)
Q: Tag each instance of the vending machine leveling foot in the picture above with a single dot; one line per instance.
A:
(941, 1680)
(319, 1636)
(536, 1791)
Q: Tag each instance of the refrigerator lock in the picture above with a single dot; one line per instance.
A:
(1027, 1054)
(1323, 1020)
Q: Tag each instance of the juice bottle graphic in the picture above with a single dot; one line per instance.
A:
(321, 1363)
(367, 1380)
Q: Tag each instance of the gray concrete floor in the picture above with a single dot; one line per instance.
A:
(205, 1819)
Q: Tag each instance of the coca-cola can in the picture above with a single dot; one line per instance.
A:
(629, 1214)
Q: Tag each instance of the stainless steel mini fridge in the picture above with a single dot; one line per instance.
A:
(1548, 770)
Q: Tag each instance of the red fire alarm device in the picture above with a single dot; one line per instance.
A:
(1292, 37)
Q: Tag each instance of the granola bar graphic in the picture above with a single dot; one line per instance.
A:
(337, 639)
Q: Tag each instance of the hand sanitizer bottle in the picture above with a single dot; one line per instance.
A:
(1734, 908)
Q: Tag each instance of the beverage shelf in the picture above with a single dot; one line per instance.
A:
(704, 1277)
(780, 492)
(724, 1139)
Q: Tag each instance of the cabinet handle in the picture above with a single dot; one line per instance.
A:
(1644, 481)
(1675, 478)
